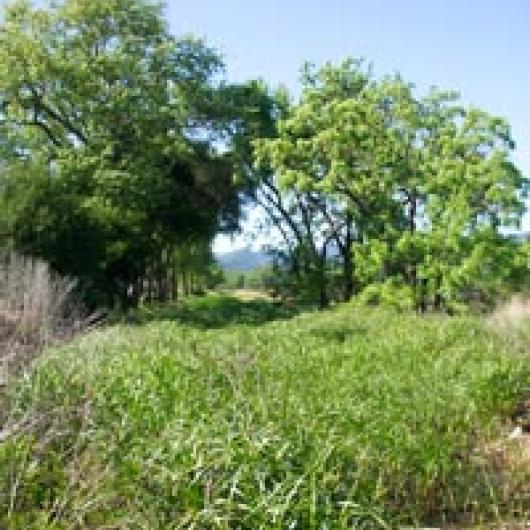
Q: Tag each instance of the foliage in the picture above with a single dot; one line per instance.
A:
(389, 294)
(347, 418)
(122, 145)
(259, 279)
(412, 189)
(110, 131)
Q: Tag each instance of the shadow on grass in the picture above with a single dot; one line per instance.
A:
(213, 311)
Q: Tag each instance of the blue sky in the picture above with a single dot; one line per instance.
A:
(479, 47)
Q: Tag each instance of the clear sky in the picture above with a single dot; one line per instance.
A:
(479, 47)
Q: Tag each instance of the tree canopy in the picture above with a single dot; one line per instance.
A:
(124, 151)
(109, 138)
(415, 190)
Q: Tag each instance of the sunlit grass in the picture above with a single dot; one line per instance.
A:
(343, 419)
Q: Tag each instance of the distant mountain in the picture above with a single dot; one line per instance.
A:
(520, 236)
(244, 259)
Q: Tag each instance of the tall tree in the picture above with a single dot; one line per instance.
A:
(113, 116)
(456, 185)
(419, 187)
(336, 145)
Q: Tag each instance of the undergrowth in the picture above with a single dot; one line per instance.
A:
(343, 419)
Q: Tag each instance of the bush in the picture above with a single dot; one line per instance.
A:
(389, 294)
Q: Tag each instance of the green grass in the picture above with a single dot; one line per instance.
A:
(213, 311)
(344, 419)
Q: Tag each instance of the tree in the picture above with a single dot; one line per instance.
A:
(112, 118)
(414, 191)
(296, 216)
(456, 187)
(336, 147)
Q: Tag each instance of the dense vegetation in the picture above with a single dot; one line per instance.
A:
(212, 417)
(124, 150)
(108, 126)
(411, 191)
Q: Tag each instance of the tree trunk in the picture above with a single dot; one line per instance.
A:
(438, 299)
(162, 276)
(348, 260)
(323, 300)
(136, 292)
(150, 285)
(184, 283)
(423, 295)
(174, 279)
(418, 289)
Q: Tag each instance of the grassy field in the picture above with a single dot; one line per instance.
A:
(236, 414)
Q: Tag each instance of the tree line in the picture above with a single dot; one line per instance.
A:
(124, 151)
(108, 135)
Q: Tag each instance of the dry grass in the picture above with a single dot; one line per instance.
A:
(250, 294)
(515, 311)
(37, 308)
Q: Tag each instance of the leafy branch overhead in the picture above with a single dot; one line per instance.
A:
(111, 116)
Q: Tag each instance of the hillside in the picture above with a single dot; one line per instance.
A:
(230, 414)
(244, 259)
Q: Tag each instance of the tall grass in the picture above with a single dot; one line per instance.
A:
(37, 308)
(343, 419)
(513, 312)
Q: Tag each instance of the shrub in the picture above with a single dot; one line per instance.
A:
(388, 294)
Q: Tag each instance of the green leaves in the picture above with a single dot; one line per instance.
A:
(121, 118)
(422, 177)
